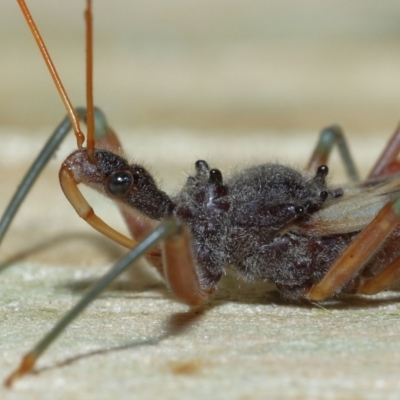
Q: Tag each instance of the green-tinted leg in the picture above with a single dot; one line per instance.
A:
(34, 171)
(327, 139)
(41, 161)
(167, 228)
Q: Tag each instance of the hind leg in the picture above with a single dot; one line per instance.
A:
(351, 261)
(388, 162)
(387, 277)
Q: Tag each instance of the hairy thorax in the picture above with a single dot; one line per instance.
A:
(246, 223)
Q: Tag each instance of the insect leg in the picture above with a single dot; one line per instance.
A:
(53, 72)
(327, 139)
(103, 134)
(34, 171)
(85, 211)
(358, 252)
(180, 269)
(167, 228)
(388, 276)
(388, 163)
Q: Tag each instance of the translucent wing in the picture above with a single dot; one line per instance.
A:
(354, 210)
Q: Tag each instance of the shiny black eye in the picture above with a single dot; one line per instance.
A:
(119, 183)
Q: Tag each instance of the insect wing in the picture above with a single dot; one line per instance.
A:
(353, 211)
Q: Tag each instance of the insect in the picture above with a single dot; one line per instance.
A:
(270, 222)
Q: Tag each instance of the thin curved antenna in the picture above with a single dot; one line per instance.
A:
(53, 72)
(89, 81)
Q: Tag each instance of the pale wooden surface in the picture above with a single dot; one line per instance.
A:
(241, 84)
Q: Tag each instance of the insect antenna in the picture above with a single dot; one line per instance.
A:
(69, 186)
(72, 119)
(80, 137)
(89, 81)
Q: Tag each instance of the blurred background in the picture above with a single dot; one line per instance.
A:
(223, 65)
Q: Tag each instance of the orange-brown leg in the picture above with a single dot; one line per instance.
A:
(358, 252)
(327, 139)
(388, 162)
(180, 271)
(387, 277)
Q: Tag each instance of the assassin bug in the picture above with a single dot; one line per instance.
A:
(269, 222)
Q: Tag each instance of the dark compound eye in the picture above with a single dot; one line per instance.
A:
(119, 183)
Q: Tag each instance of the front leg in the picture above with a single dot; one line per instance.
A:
(180, 270)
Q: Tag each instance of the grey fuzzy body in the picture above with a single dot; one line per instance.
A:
(246, 223)
(269, 222)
